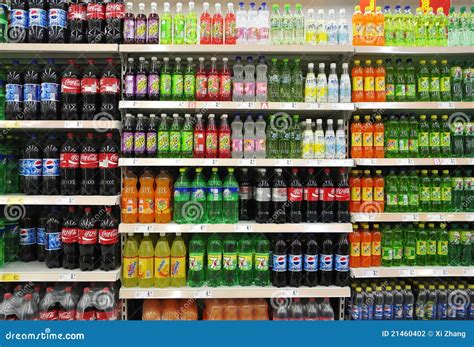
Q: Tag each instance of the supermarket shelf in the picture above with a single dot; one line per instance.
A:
(413, 50)
(202, 106)
(413, 161)
(237, 162)
(413, 271)
(233, 292)
(432, 105)
(38, 272)
(89, 200)
(60, 124)
(236, 228)
(413, 217)
(60, 48)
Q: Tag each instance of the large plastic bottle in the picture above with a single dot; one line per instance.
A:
(146, 255)
(276, 26)
(249, 80)
(224, 138)
(214, 261)
(129, 198)
(230, 34)
(319, 140)
(287, 26)
(191, 29)
(166, 26)
(330, 141)
(230, 198)
(260, 138)
(146, 198)
(298, 20)
(162, 262)
(237, 137)
(182, 194)
(238, 81)
(357, 27)
(241, 24)
(252, 24)
(264, 25)
(130, 262)
(178, 262)
(163, 183)
(197, 249)
(341, 147)
(179, 25)
(261, 81)
(214, 198)
(198, 197)
(249, 137)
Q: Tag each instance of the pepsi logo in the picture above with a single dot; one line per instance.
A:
(49, 164)
(19, 14)
(53, 14)
(34, 13)
(281, 260)
(327, 259)
(343, 260)
(38, 164)
(296, 260)
(310, 260)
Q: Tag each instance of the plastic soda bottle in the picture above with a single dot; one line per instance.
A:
(446, 192)
(178, 262)
(431, 244)
(379, 191)
(274, 82)
(246, 252)
(376, 246)
(229, 260)
(435, 140)
(310, 37)
(276, 26)
(146, 255)
(400, 82)
(410, 80)
(261, 260)
(166, 26)
(179, 23)
(356, 191)
(214, 261)
(224, 138)
(146, 198)
(379, 137)
(345, 84)
(130, 262)
(319, 140)
(197, 250)
(379, 75)
(191, 25)
(442, 246)
(229, 26)
(285, 82)
(358, 27)
(388, 26)
(357, 82)
(162, 262)
(389, 81)
(199, 138)
(182, 195)
(129, 198)
(217, 26)
(230, 198)
(397, 243)
(445, 83)
(367, 138)
(387, 247)
(424, 137)
(205, 25)
(365, 246)
(356, 138)
(435, 191)
(420, 28)
(435, 76)
(379, 23)
(403, 191)
(175, 137)
(423, 82)
(413, 194)
(367, 185)
(409, 249)
(198, 197)
(322, 85)
(214, 198)
(354, 243)
(163, 138)
(211, 145)
(163, 183)
(370, 34)
(392, 192)
(403, 137)
(165, 80)
(425, 191)
(409, 27)
(341, 148)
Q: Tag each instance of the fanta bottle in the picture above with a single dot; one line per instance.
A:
(205, 25)
(369, 82)
(231, 309)
(356, 191)
(379, 191)
(365, 246)
(379, 21)
(178, 262)
(379, 137)
(162, 262)
(151, 309)
(129, 203)
(130, 262)
(357, 82)
(214, 310)
(245, 309)
(356, 138)
(354, 242)
(163, 183)
(146, 255)
(380, 82)
(357, 27)
(367, 138)
(376, 246)
(146, 198)
(369, 27)
(261, 310)
(170, 310)
(367, 192)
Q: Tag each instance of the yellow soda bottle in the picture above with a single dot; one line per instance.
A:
(178, 262)
(146, 255)
(162, 262)
(130, 262)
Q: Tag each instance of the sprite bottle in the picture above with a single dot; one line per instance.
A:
(466, 246)
(197, 251)
(409, 249)
(458, 191)
(391, 192)
(182, 195)
(297, 83)
(403, 137)
(197, 215)
(214, 198)
(423, 82)
(456, 82)
(389, 81)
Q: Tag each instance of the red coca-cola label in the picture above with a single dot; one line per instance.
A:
(69, 235)
(69, 160)
(327, 194)
(89, 161)
(87, 237)
(108, 160)
(70, 85)
(109, 85)
(89, 85)
(343, 194)
(86, 315)
(77, 12)
(48, 315)
(311, 194)
(115, 10)
(95, 11)
(108, 236)
(67, 315)
(102, 315)
(295, 194)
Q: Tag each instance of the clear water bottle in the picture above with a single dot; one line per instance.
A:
(310, 28)
(332, 27)
(262, 81)
(237, 137)
(264, 25)
(308, 141)
(342, 28)
(238, 81)
(330, 141)
(340, 140)
(322, 85)
(288, 27)
(333, 85)
(345, 85)
(261, 138)
(249, 80)
(252, 29)
(319, 140)
(249, 137)
(298, 20)
(241, 24)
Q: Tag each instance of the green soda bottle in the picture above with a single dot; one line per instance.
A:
(274, 82)
(391, 137)
(435, 76)
(387, 248)
(424, 137)
(468, 196)
(177, 81)
(467, 81)
(454, 245)
(197, 251)
(198, 197)
(261, 261)
(421, 239)
(229, 261)
(435, 191)
(445, 137)
(191, 25)
(403, 138)
(413, 192)
(431, 244)
(285, 82)
(466, 246)
(130, 262)
(163, 138)
(420, 28)
(400, 84)
(423, 82)
(445, 84)
(456, 82)
(442, 246)
(189, 81)
(182, 195)
(425, 192)
(397, 243)
(391, 192)
(435, 140)
(295, 138)
(187, 134)
(175, 138)
(403, 191)
(389, 81)
(297, 83)
(442, 26)
(214, 198)
(409, 27)
(457, 126)
(409, 249)
(446, 192)
(165, 81)
(179, 25)
(458, 190)
(146, 254)
(413, 147)
(410, 80)
(230, 199)
(214, 261)
(432, 32)
(166, 26)
(246, 252)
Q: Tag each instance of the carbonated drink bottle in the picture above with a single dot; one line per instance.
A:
(189, 81)
(230, 199)
(130, 262)
(87, 240)
(311, 197)
(108, 241)
(162, 262)
(50, 169)
(295, 197)
(90, 91)
(310, 262)
(146, 198)
(214, 198)
(114, 14)
(326, 261)
(211, 138)
(182, 195)
(342, 196)
(31, 167)
(217, 26)
(178, 25)
(214, 261)
(109, 90)
(191, 25)
(53, 245)
(177, 81)
(70, 91)
(50, 92)
(31, 91)
(175, 137)
(95, 22)
(435, 191)
(327, 196)
(279, 262)
(141, 81)
(295, 263)
(154, 80)
(409, 248)
(410, 80)
(37, 21)
(198, 196)
(442, 246)
(224, 150)
(279, 197)
(245, 196)
(421, 245)
(205, 25)
(89, 163)
(263, 196)
(295, 138)
(69, 239)
(146, 266)
(151, 137)
(197, 250)
(387, 246)
(230, 262)
(261, 260)
(163, 184)
(76, 20)
(246, 252)
(435, 75)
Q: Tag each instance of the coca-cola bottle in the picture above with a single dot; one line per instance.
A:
(29, 308)
(245, 196)
(89, 164)
(263, 195)
(89, 91)
(48, 307)
(69, 237)
(51, 167)
(85, 307)
(57, 21)
(114, 13)
(53, 246)
(95, 21)
(70, 91)
(343, 197)
(279, 197)
(69, 166)
(109, 89)
(311, 197)
(77, 15)
(67, 305)
(108, 167)
(108, 240)
(326, 195)
(50, 91)
(88, 248)
(105, 305)
(295, 197)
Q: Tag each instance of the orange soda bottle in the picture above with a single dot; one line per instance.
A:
(188, 310)
(170, 310)
(369, 82)
(246, 310)
(261, 310)
(354, 242)
(129, 200)
(367, 192)
(356, 191)
(146, 198)
(369, 27)
(379, 137)
(365, 246)
(356, 138)
(151, 309)
(376, 246)
(380, 90)
(379, 21)
(367, 138)
(357, 27)
(357, 82)
(163, 183)
(379, 191)
(214, 310)
(231, 310)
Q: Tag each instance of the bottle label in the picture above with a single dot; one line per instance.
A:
(245, 192)
(50, 167)
(19, 18)
(191, 30)
(224, 143)
(69, 235)
(108, 160)
(139, 142)
(166, 29)
(434, 139)
(356, 193)
(369, 84)
(225, 87)
(214, 261)
(90, 85)
(390, 93)
(465, 238)
(423, 84)
(358, 84)
(410, 253)
(189, 85)
(436, 194)
(153, 85)
(31, 92)
(127, 142)
(366, 248)
(279, 263)
(261, 262)
(341, 262)
(40, 236)
(177, 85)
(108, 236)
(398, 311)
(380, 83)
(408, 309)
(145, 267)
(178, 36)
(178, 267)
(77, 12)
(442, 248)
(343, 194)
(229, 261)
(14, 93)
(295, 262)
(214, 194)
(397, 252)
(378, 193)
(49, 92)
(57, 18)
(70, 85)
(238, 88)
(89, 160)
(434, 84)
(38, 17)
(245, 262)
(140, 33)
(109, 85)
(213, 85)
(367, 194)
(263, 194)
(446, 139)
(279, 194)
(387, 253)
(392, 199)
(114, 10)
(141, 82)
(261, 88)
(311, 194)
(420, 247)
(196, 261)
(295, 194)
(326, 262)
(431, 249)
(87, 237)
(355, 249)
(95, 11)
(445, 85)
(162, 266)
(211, 142)
(53, 242)
(30, 167)
(400, 90)
(230, 194)
(27, 236)
(165, 85)
(356, 139)
(130, 267)
(310, 263)
(413, 199)
(411, 90)
(249, 88)
(146, 206)
(425, 194)
(327, 194)
(376, 248)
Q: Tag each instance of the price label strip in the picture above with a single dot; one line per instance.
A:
(202, 294)
(10, 277)
(68, 276)
(143, 294)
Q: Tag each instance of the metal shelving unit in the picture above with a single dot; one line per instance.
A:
(413, 217)
(413, 271)
(88, 200)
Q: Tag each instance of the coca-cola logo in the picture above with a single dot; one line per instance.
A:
(295, 194)
(69, 235)
(108, 236)
(87, 237)
(67, 315)
(115, 10)
(71, 85)
(48, 315)
(343, 194)
(69, 160)
(77, 12)
(89, 160)
(108, 160)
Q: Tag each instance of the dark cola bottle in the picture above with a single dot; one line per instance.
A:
(108, 167)
(95, 21)
(109, 89)
(51, 167)
(89, 164)
(32, 91)
(310, 265)
(295, 263)
(327, 194)
(18, 28)
(341, 262)
(50, 91)
(53, 247)
(57, 18)
(76, 16)
(279, 197)
(295, 197)
(41, 232)
(279, 262)
(31, 166)
(27, 248)
(69, 237)
(108, 241)
(67, 305)
(326, 261)
(70, 92)
(342, 197)
(69, 159)
(114, 13)
(263, 195)
(37, 21)
(245, 196)
(87, 240)
(48, 308)
(90, 91)
(311, 197)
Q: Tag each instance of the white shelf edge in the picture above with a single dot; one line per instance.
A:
(88, 200)
(428, 105)
(413, 161)
(433, 217)
(60, 124)
(413, 271)
(38, 48)
(413, 50)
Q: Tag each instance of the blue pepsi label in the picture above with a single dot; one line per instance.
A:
(49, 92)
(13, 92)
(310, 262)
(471, 311)
(38, 17)
(57, 18)
(442, 311)
(279, 263)
(365, 311)
(398, 311)
(461, 311)
(32, 92)
(325, 262)
(40, 236)
(387, 312)
(356, 312)
(30, 167)
(408, 311)
(342, 263)
(19, 18)
(295, 262)
(50, 167)
(370, 311)
(27, 236)
(53, 242)
(378, 312)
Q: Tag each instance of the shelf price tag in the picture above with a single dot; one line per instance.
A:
(292, 293)
(244, 228)
(247, 162)
(10, 277)
(210, 162)
(407, 272)
(468, 272)
(284, 162)
(182, 104)
(145, 228)
(143, 294)
(315, 162)
(371, 273)
(198, 228)
(445, 104)
(342, 106)
(76, 124)
(471, 161)
(66, 200)
(135, 104)
(449, 161)
(11, 124)
(405, 161)
(470, 217)
(15, 200)
(367, 161)
(313, 106)
(202, 294)
(411, 217)
(68, 276)
(434, 217)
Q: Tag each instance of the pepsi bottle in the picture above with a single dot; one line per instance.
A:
(89, 164)
(27, 249)
(77, 15)
(90, 91)
(50, 91)
(57, 18)
(279, 262)
(37, 21)
(32, 91)
(327, 194)
(341, 262)
(108, 241)
(51, 170)
(311, 197)
(263, 196)
(69, 237)
(295, 197)
(310, 266)
(108, 167)
(41, 233)
(69, 166)
(343, 197)
(14, 91)
(53, 246)
(114, 13)
(18, 28)
(31, 166)
(295, 263)
(70, 92)
(279, 197)
(326, 261)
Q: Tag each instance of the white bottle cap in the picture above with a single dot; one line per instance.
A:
(217, 6)
(179, 7)
(205, 5)
(130, 4)
(322, 65)
(340, 121)
(146, 234)
(128, 115)
(319, 121)
(177, 59)
(130, 234)
(308, 121)
(163, 115)
(320, 11)
(153, 6)
(141, 6)
(310, 66)
(191, 5)
(187, 115)
(345, 65)
(175, 115)
(310, 11)
(230, 5)
(140, 115)
(333, 65)
(166, 6)
(330, 121)
(342, 11)
(178, 234)
(152, 115)
(331, 12)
